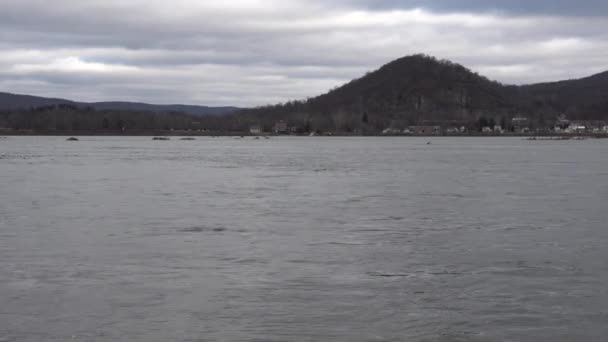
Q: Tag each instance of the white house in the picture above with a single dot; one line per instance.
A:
(576, 128)
(255, 130)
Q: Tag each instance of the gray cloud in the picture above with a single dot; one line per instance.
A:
(519, 7)
(249, 52)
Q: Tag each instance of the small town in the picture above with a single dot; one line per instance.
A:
(517, 126)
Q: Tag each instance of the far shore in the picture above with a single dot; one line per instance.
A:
(187, 133)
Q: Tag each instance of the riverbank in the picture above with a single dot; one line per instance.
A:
(191, 133)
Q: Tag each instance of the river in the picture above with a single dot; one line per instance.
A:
(303, 239)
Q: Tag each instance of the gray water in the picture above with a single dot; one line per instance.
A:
(303, 239)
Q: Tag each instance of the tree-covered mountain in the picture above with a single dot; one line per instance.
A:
(584, 99)
(12, 102)
(20, 102)
(421, 90)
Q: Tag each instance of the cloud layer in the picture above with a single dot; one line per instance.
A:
(254, 52)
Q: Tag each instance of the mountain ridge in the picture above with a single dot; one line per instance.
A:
(422, 90)
(413, 90)
(11, 101)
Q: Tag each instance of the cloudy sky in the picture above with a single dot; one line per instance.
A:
(254, 52)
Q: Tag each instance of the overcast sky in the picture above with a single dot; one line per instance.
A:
(255, 52)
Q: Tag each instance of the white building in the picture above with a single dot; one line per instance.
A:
(576, 128)
(255, 130)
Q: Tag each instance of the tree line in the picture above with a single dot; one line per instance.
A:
(67, 117)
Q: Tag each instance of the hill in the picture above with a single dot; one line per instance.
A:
(19, 102)
(10, 101)
(421, 90)
(584, 99)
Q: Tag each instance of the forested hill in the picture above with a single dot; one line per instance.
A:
(585, 98)
(419, 89)
(10, 101)
(20, 102)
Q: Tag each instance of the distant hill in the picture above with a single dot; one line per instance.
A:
(10, 101)
(419, 89)
(18, 102)
(585, 98)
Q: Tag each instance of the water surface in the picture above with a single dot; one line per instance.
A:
(303, 239)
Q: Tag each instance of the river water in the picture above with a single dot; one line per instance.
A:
(303, 239)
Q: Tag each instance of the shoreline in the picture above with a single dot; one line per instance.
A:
(174, 133)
